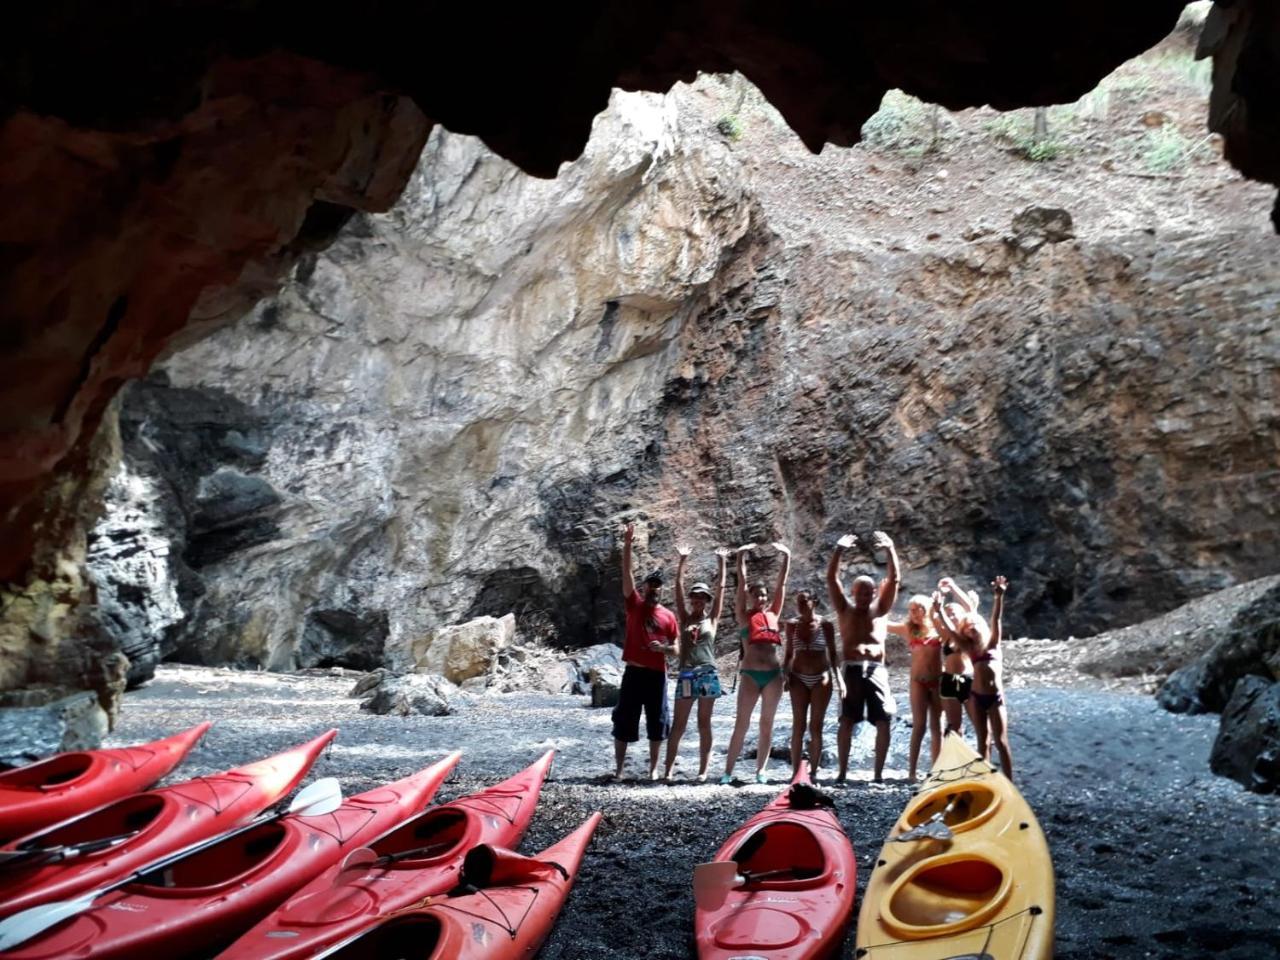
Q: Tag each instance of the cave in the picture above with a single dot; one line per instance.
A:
(324, 333)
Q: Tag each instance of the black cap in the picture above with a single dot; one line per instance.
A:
(655, 578)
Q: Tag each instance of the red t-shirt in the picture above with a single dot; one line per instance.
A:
(645, 624)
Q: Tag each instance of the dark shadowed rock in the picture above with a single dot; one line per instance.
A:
(1248, 644)
(1248, 745)
(38, 722)
(1036, 226)
(343, 638)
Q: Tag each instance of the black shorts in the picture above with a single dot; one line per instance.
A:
(955, 686)
(866, 692)
(642, 689)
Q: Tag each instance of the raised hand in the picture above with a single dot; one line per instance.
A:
(881, 540)
(946, 585)
(847, 542)
(782, 548)
(629, 533)
(746, 548)
(723, 552)
(682, 551)
(999, 585)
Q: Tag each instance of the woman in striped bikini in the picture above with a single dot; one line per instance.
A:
(810, 676)
(760, 676)
(926, 671)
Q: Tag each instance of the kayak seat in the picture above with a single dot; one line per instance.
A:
(438, 833)
(964, 805)
(782, 845)
(946, 894)
(54, 772)
(124, 816)
(410, 936)
(224, 862)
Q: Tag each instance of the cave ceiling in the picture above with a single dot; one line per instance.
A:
(162, 164)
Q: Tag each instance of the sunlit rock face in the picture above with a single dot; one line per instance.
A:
(454, 408)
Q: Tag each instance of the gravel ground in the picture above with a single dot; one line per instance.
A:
(1154, 855)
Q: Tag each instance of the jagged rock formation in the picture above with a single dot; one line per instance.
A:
(1247, 748)
(164, 166)
(455, 406)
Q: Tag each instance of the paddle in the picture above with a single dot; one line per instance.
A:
(933, 828)
(713, 881)
(323, 796)
(363, 859)
(38, 856)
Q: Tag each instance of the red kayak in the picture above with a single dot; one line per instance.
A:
(68, 784)
(420, 858)
(207, 899)
(803, 909)
(507, 918)
(107, 844)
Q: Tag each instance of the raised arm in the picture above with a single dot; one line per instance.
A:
(941, 622)
(681, 612)
(628, 577)
(839, 601)
(998, 586)
(741, 599)
(722, 574)
(780, 589)
(947, 585)
(889, 586)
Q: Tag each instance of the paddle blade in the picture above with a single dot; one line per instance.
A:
(34, 921)
(713, 881)
(354, 864)
(931, 829)
(315, 799)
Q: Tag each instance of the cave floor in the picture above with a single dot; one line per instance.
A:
(1155, 856)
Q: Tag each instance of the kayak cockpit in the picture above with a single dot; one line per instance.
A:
(435, 834)
(780, 855)
(946, 894)
(119, 819)
(55, 772)
(222, 863)
(410, 936)
(961, 806)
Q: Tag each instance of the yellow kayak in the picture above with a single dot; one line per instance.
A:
(985, 893)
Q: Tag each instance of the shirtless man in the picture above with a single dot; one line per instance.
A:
(862, 622)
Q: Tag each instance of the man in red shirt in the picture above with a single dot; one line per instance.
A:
(650, 634)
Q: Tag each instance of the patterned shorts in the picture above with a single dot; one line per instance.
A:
(698, 682)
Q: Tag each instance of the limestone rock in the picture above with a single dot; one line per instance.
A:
(422, 694)
(1036, 226)
(604, 693)
(40, 721)
(1247, 748)
(466, 650)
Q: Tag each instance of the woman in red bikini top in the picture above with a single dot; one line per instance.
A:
(926, 668)
(761, 668)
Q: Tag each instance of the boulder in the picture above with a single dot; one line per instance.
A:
(599, 664)
(369, 682)
(1036, 226)
(604, 693)
(38, 722)
(1248, 745)
(428, 695)
(1247, 644)
(465, 650)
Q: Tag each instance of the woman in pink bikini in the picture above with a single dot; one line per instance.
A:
(926, 672)
(982, 643)
(760, 675)
(809, 673)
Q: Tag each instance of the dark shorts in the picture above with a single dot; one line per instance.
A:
(698, 682)
(956, 686)
(642, 689)
(988, 701)
(866, 692)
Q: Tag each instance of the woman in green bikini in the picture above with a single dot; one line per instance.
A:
(695, 653)
(761, 670)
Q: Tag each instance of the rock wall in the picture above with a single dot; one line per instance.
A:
(450, 412)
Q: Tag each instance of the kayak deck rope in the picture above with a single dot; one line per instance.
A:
(491, 803)
(973, 768)
(505, 923)
(340, 833)
(1032, 911)
(216, 804)
(125, 757)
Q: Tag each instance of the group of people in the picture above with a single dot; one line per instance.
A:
(955, 662)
